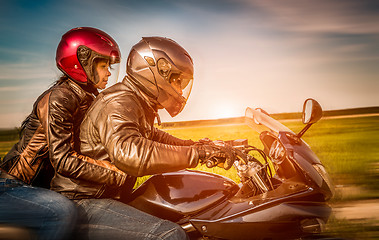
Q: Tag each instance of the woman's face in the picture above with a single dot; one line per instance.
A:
(103, 72)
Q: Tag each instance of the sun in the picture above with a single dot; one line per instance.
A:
(226, 110)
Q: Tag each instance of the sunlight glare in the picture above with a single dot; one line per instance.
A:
(226, 110)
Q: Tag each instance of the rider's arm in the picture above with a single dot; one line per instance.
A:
(164, 137)
(56, 113)
(130, 149)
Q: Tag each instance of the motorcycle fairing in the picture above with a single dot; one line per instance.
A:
(300, 156)
(282, 221)
(289, 191)
(175, 196)
(305, 158)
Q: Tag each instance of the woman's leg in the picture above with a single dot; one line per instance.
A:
(49, 214)
(110, 219)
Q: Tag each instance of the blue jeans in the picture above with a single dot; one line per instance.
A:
(48, 214)
(111, 219)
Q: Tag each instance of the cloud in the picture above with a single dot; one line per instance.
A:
(26, 71)
(20, 89)
(10, 89)
(11, 120)
(322, 16)
(19, 52)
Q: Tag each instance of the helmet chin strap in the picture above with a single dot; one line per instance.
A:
(158, 118)
(153, 104)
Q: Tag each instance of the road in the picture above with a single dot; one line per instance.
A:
(358, 210)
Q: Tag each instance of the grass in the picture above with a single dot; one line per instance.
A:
(5, 146)
(349, 148)
(347, 229)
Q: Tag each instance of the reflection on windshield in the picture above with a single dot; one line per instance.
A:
(261, 122)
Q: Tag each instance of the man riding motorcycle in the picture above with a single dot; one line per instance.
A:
(119, 129)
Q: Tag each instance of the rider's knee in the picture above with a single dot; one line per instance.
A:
(172, 231)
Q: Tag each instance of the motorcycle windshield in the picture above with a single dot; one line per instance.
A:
(259, 121)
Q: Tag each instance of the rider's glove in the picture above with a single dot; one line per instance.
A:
(211, 154)
(205, 151)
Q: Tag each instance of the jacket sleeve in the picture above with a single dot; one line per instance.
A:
(133, 153)
(166, 138)
(57, 119)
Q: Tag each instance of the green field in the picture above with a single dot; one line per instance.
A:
(348, 147)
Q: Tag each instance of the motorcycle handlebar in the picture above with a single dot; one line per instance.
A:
(237, 147)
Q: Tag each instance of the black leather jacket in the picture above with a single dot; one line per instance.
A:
(118, 128)
(50, 137)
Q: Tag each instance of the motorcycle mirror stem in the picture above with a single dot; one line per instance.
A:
(312, 113)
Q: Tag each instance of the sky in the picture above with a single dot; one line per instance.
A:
(247, 53)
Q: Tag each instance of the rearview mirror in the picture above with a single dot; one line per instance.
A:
(312, 111)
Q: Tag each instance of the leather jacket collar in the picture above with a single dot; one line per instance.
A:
(151, 103)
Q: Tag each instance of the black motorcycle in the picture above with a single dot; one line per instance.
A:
(282, 195)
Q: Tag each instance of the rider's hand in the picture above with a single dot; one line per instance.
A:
(226, 156)
(216, 153)
(228, 159)
(205, 151)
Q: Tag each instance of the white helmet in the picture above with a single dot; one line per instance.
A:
(163, 70)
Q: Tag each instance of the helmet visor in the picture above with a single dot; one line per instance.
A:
(114, 69)
(174, 98)
(182, 84)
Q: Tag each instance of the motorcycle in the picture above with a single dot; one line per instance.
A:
(282, 196)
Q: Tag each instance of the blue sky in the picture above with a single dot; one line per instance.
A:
(247, 53)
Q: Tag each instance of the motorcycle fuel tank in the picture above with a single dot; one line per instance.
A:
(178, 195)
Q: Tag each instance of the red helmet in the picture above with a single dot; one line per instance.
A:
(79, 47)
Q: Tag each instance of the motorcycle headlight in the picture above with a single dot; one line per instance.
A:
(277, 152)
(325, 176)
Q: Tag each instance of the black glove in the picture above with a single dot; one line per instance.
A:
(216, 153)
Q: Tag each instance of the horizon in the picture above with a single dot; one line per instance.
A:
(242, 116)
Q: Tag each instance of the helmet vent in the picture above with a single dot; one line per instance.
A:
(107, 40)
(150, 61)
(164, 67)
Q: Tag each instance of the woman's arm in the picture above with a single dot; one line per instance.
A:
(56, 112)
